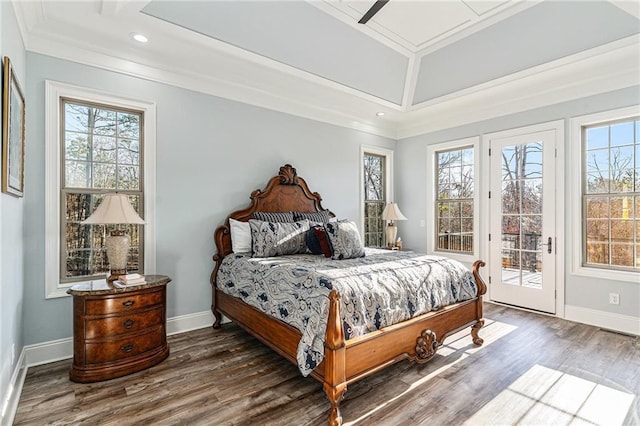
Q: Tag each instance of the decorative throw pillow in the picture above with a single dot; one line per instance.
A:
(240, 236)
(318, 217)
(317, 242)
(274, 217)
(278, 238)
(344, 239)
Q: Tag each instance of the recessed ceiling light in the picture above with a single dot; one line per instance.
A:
(139, 37)
(380, 114)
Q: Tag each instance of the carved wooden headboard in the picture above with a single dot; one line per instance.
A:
(283, 193)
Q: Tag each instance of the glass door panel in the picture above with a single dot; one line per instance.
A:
(525, 226)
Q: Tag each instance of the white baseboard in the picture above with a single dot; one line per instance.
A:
(607, 320)
(56, 350)
(46, 352)
(11, 399)
(190, 322)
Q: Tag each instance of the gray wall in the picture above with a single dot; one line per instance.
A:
(11, 227)
(211, 153)
(411, 182)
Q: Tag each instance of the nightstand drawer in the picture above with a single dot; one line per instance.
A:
(113, 326)
(123, 303)
(126, 347)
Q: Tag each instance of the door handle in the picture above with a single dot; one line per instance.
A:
(549, 245)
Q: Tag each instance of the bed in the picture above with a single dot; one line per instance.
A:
(343, 353)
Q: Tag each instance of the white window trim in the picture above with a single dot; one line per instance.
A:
(53, 92)
(431, 198)
(388, 154)
(575, 185)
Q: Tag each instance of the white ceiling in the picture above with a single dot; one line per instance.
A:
(416, 25)
(427, 65)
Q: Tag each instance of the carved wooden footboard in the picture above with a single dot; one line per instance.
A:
(417, 339)
(345, 361)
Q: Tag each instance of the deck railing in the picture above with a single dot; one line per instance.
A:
(461, 242)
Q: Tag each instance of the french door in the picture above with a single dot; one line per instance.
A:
(523, 220)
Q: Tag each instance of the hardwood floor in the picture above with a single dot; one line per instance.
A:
(532, 369)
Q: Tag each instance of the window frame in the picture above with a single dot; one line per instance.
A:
(387, 154)
(576, 165)
(54, 93)
(432, 197)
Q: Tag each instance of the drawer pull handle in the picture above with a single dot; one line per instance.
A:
(127, 348)
(128, 323)
(129, 303)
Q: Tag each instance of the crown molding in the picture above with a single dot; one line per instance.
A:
(29, 15)
(291, 97)
(246, 77)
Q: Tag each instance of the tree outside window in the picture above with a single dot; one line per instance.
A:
(102, 152)
(611, 195)
(521, 206)
(454, 200)
(374, 199)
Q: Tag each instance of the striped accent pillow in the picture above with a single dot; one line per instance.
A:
(279, 217)
(317, 217)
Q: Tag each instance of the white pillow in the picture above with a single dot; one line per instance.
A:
(240, 236)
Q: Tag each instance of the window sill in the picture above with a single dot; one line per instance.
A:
(607, 274)
(59, 291)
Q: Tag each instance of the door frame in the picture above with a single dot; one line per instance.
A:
(558, 127)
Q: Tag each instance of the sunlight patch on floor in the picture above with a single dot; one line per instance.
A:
(491, 332)
(546, 396)
(457, 342)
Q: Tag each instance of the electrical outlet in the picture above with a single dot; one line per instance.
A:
(614, 298)
(421, 223)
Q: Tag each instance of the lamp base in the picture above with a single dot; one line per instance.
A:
(391, 232)
(118, 244)
(114, 274)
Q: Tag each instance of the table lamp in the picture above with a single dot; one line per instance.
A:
(116, 209)
(391, 212)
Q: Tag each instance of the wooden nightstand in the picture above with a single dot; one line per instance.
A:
(118, 331)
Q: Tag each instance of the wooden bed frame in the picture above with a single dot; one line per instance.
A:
(345, 361)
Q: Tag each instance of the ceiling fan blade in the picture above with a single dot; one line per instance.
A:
(372, 11)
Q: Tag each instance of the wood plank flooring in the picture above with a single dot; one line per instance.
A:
(532, 369)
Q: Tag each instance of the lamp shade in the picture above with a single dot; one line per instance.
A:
(114, 209)
(392, 212)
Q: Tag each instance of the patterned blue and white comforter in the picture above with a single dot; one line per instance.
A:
(377, 290)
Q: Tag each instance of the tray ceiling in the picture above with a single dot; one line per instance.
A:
(417, 61)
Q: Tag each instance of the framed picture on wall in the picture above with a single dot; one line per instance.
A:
(13, 132)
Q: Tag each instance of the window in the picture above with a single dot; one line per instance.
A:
(102, 152)
(605, 195)
(453, 194)
(454, 204)
(95, 143)
(376, 175)
(611, 194)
